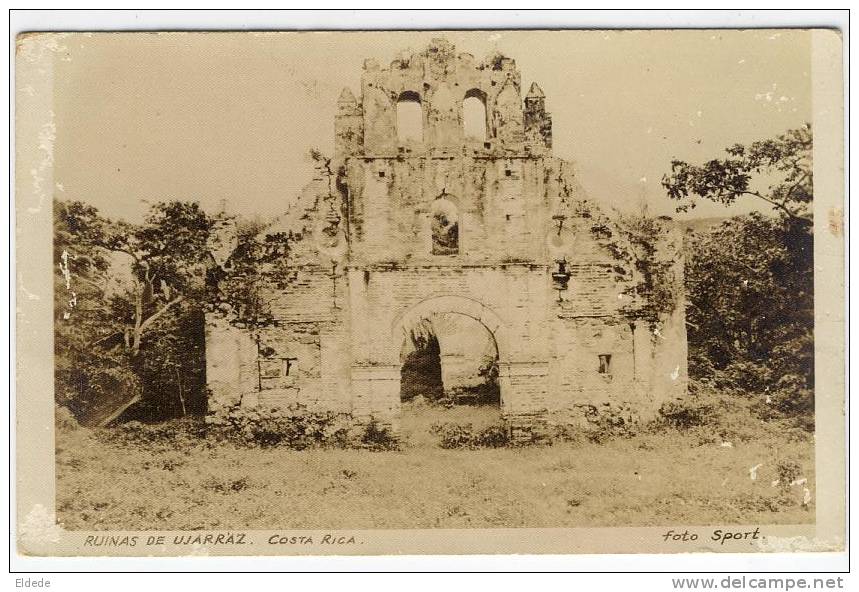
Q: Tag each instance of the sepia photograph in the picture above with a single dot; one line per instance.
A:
(430, 291)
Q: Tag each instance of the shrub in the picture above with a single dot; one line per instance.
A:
(684, 413)
(453, 435)
(787, 472)
(610, 421)
(744, 375)
(792, 397)
(379, 437)
(295, 427)
(700, 367)
(494, 436)
(804, 423)
(185, 431)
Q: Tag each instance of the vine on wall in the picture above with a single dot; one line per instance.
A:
(638, 242)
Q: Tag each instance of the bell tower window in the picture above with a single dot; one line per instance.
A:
(410, 119)
(474, 116)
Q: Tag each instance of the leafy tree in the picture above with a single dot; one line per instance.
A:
(168, 253)
(784, 162)
(259, 262)
(88, 365)
(172, 364)
(750, 286)
(750, 280)
(140, 321)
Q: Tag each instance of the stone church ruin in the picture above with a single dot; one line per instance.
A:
(444, 229)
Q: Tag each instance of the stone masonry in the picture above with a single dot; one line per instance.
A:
(489, 228)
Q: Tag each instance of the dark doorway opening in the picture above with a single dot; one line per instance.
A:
(452, 359)
(420, 374)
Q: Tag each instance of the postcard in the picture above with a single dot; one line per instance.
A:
(429, 292)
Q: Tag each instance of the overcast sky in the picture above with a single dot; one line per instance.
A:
(212, 116)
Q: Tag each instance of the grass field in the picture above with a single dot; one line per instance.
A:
(653, 478)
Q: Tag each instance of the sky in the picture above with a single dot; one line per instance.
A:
(230, 117)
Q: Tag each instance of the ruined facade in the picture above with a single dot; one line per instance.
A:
(474, 221)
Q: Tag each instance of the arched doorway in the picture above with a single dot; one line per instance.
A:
(449, 358)
(449, 377)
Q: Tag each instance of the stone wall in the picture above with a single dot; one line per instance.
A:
(299, 357)
(502, 206)
(439, 79)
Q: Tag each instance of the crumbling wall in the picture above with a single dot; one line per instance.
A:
(580, 378)
(440, 80)
(294, 351)
(669, 371)
(502, 208)
(298, 357)
(613, 344)
(544, 270)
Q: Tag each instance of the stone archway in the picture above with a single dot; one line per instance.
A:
(456, 305)
(376, 383)
(449, 358)
(459, 305)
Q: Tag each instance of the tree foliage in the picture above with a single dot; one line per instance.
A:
(264, 260)
(783, 163)
(642, 246)
(89, 365)
(129, 308)
(260, 262)
(750, 280)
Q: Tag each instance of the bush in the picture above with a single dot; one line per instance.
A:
(804, 423)
(792, 397)
(379, 437)
(295, 427)
(745, 376)
(494, 436)
(453, 435)
(700, 366)
(685, 413)
(787, 472)
(188, 431)
(610, 421)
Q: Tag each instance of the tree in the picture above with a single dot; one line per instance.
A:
(266, 260)
(750, 285)
(88, 364)
(750, 280)
(784, 162)
(169, 256)
(238, 288)
(142, 321)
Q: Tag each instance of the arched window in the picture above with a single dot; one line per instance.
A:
(410, 120)
(474, 116)
(445, 227)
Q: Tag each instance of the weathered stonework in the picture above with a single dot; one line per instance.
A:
(494, 229)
